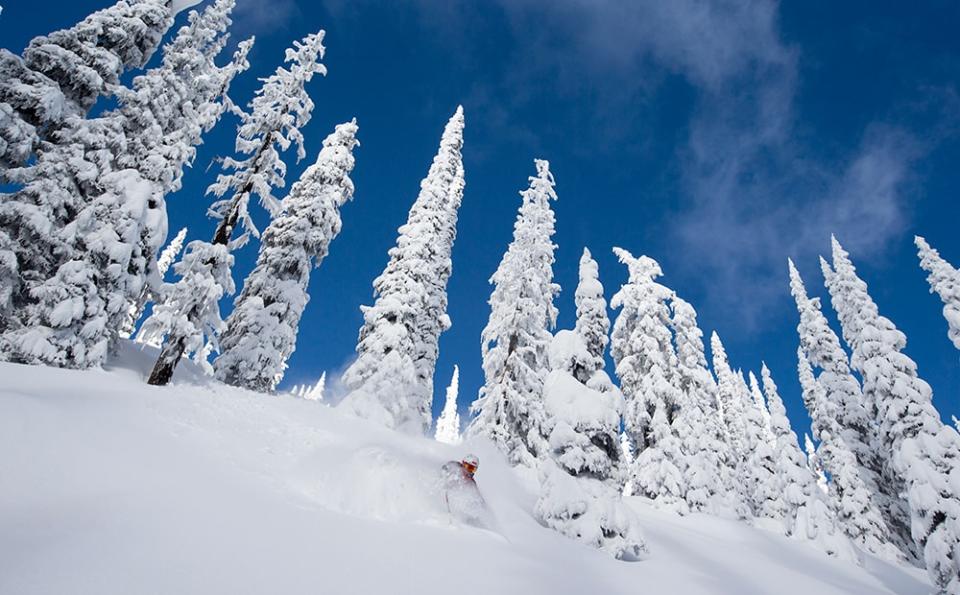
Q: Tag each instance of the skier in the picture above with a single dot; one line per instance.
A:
(460, 491)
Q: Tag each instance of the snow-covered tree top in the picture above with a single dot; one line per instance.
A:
(641, 269)
(280, 108)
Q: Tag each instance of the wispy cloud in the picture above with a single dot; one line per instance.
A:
(754, 188)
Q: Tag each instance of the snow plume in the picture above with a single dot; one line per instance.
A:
(922, 450)
(517, 337)
(448, 424)
(642, 349)
(944, 280)
(261, 330)
(391, 381)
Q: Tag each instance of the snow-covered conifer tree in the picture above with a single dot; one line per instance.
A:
(99, 213)
(699, 425)
(280, 109)
(188, 311)
(164, 262)
(850, 421)
(944, 280)
(277, 112)
(857, 513)
(391, 381)
(646, 364)
(922, 450)
(448, 424)
(806, 510)
(261, 331)
(580, 480)
(593, 324)
(517, 337)
(814, 463)
(733, 414)
(316, 393)
(61, 75)
(760, 466)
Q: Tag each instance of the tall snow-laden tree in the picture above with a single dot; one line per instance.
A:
(94, 208)
(806, 510)
(849, 422)
(280, 108)
(593, 324)
(733, 414)
(448, 424)
(814, 463)
(699, 425)
(164, 262)
(516, 339)
(580, 479)
(261, 330)
(923, 452)
(391, 381)
(944, 280)
(857, 513)
(646, 363)
(765, 498)
(61, 75)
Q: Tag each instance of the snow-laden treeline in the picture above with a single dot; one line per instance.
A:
(84, 219)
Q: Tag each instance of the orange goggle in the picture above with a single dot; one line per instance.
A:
(470, 467)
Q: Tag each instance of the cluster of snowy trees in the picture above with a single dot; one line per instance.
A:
(85, 217)
(82, 227)
(701, 438)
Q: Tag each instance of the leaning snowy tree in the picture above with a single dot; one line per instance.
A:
(60, 76)
(391, 381)
(448, 424)
(869, 510)
(922, 451)
(58, 80)
(107, 187)
(261, 331)
(944, 280)
(517, 337)
(646, 364)
(703, 443)
(280, 108)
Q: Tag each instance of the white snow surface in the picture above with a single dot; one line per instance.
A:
(108, 485)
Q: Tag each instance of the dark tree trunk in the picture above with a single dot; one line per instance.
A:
(167, 362)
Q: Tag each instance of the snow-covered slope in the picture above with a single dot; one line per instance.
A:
(108, 485)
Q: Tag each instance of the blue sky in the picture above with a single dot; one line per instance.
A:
(717, 137)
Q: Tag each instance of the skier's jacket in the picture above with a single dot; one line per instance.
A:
(455, 476)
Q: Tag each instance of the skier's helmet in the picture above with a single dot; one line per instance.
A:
(470, 463)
